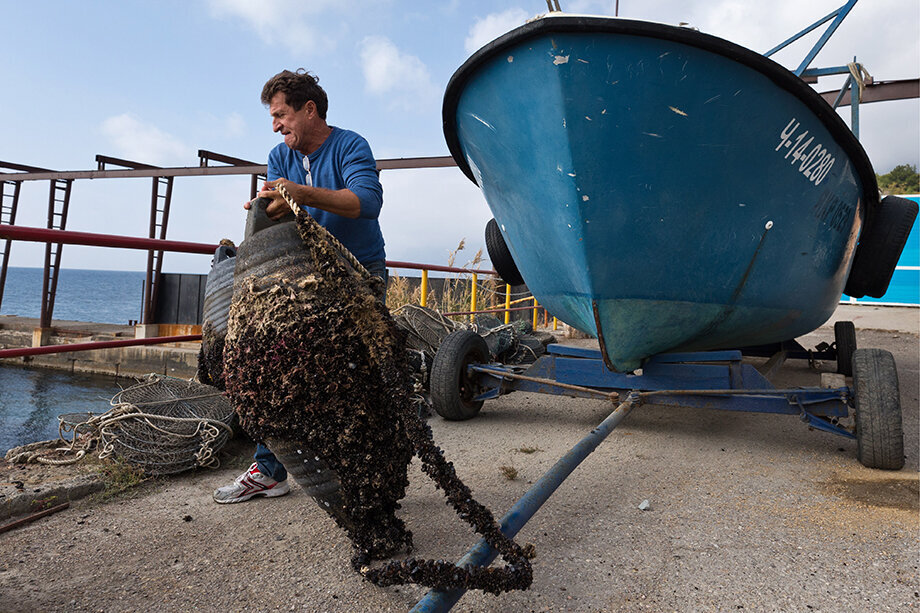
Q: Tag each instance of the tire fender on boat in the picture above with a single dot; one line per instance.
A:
(880, 246)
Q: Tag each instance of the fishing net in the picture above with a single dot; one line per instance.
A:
(166, 425)
(512, 343)
(161, 425)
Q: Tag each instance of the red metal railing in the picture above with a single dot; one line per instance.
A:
(68, 347)
(68, 237)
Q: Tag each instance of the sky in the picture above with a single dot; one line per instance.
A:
(154, 82)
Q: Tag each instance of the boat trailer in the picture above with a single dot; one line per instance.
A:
(462, 379)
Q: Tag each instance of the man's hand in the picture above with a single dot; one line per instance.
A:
(278, 207)
(342, 202)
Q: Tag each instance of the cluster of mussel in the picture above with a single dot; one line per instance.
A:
(317, 369)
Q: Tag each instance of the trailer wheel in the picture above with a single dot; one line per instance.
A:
(879, 433)
(845, 340)
(452, 391)
(501, 255)
(880, 247)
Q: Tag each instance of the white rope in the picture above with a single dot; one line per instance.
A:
(861, 76)
(326, 234)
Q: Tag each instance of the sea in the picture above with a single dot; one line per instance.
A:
(32, 398)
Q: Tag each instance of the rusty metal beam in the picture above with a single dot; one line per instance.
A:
(102, 160)
(197, 171)
(904, 89)
(187, 171)
(205, 156)
(23, 167)
(443, 161)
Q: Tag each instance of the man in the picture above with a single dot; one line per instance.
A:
(332, 174)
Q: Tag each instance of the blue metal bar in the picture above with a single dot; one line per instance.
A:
(838, 16)
(843, 92)
(854, 102)
(481, 553)
(826, 72)
(842, 12)
(796, 37)
(820, 424)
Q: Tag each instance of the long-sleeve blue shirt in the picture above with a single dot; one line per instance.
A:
(343, 161)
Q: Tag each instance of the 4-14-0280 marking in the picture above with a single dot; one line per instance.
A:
(814, 164)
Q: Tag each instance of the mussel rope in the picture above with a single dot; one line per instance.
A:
(440, 574)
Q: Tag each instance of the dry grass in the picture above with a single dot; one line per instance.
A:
(457, 290)
(528, 450)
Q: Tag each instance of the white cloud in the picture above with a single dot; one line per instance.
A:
(492, 26)
(141, 142)
(234, 125)
(401, 77)
(289, 23)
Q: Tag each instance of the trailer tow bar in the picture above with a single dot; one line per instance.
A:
(481, 554)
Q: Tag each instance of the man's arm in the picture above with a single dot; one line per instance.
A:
(342, 202)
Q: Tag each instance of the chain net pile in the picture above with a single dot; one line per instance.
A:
(512, 343)
(162, 425)
(316, 359)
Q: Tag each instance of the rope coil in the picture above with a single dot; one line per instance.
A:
(163, 425)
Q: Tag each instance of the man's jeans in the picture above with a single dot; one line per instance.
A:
(267, 462)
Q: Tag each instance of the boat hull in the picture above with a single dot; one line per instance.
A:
(657, 191)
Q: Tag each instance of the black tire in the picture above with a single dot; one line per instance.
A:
(452, 391)
(501, 256)
(879, 432)
(845, 341)
(880, 247)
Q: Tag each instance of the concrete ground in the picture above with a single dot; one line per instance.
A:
(746, 512)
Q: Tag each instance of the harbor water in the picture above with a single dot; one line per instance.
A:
(32, 398)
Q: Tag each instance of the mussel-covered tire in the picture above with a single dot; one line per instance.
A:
(879, 432)
(880, 247)
(501, 255)
(845, 341)
(452, 390)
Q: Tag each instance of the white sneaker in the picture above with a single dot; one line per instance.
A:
(251, 483)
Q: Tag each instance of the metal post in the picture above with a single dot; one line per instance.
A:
(854, 103)
(473, 291)
(57, 220)
(482, 554)
(7, 216)
(507, 303)
(424, 300)
(536, 306)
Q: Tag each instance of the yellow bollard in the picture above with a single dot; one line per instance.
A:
(473, 291)
(536, 306)
(507, 304)
(424, 301)
(555, 324)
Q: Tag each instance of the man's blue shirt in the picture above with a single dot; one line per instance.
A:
(343, 161)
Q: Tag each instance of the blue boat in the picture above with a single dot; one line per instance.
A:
(660, 188)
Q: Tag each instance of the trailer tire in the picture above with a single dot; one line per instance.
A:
(845, 341)
(880, 247)
(452, 390)
(879, 431)
(501, 255)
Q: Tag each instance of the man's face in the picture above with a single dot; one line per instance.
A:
(294, 125)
